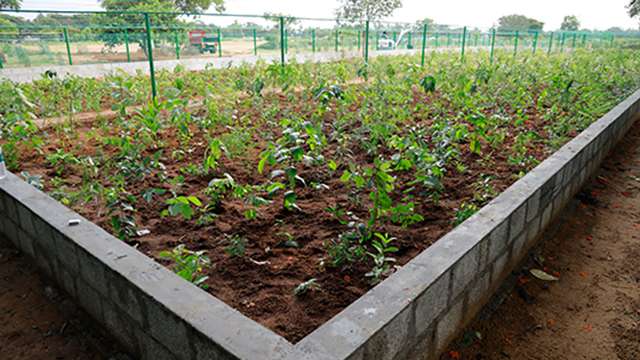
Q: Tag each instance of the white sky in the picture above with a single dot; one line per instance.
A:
(593, 14)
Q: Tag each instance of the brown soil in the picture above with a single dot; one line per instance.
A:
(261, 283)
(593, 311)
(37, 321)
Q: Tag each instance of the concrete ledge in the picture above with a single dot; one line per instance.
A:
(414, 313)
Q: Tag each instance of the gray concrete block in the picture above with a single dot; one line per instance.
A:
(519, 249)
(92, 271)
(393, 339)
(90, 300)
(546, 217)
(206, 349)
(26, 243)
(10, 231)
(66, 251)
(67, 280)
(533, 230)
(155, 350)
(167, 329)
(448, 325)
(516, 222)
(25, 217)
(431, 303)
(44, 237)
(500, 267)
(533, 205)
(10, 208)
(123, 328)
(423, 349)
(498, 240)
(478, 293)
(127, 298)
(46, 262)
(464, 272)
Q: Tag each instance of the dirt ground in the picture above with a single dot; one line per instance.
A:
(37, 321)
(593, 311)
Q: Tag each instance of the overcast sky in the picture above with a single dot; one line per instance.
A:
(593, 14)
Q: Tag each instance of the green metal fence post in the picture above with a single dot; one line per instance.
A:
(359, 40)
(255, 42)
(219, 42)
(515, 43)
(613, 37)
(535, 41)
(493, 45)
(437, 39)
(313, 40)
(562, 38)
(424, 43)
(177, 41)
(377, 40)
(550, 43)
(282, 41)
(409, 39)
(126, 44)
(366, 42)
(464, 41)
(66, 40)
(584, 40)
(449, 39)
(152, 72)
(573, 43)
(336, 40)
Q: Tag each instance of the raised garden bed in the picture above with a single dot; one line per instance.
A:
(388, 156)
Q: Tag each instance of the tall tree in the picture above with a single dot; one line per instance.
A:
(188, 6)
(360, 10)
(634, 8)
(134, 22)
(10, 4)
(570, 23)
(518, 23)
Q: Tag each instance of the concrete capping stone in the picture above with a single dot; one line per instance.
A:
(413, 313)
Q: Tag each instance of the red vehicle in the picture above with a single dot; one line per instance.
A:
(202, 41)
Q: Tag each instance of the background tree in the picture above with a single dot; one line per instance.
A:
(135, 22)
(10, 4)
(518, 23)
(360, 10)
(634, 8)
(570, 23)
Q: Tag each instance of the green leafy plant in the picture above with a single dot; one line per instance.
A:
(182, 206)
(188, 264)
(237, 246)
(382, 262)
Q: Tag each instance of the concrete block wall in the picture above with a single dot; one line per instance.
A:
(417, 311)
(414, 313)
(152, 312)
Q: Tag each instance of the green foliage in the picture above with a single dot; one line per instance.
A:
(237, 246)
(464, 212)
(188, 264)
(381, 260)
(182, 205)
(570, 23)
(518, 23)
(357, 10)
